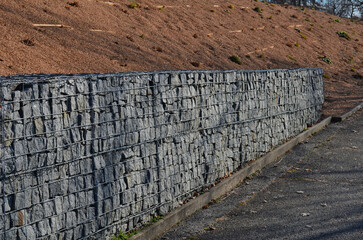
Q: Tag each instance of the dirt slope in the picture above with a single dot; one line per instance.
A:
(104, 36)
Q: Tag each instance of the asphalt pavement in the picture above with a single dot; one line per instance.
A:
(315, 191)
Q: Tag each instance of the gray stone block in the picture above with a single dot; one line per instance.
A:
(43, 228)
(159, 113)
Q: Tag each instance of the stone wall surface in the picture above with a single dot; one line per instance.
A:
(85, 156)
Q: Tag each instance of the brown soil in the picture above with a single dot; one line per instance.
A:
(105, 36)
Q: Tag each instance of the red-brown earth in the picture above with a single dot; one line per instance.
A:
(105, 36)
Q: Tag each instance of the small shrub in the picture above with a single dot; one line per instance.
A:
(134, 5)
(343, 35)
(235, 59)
(257, 9)
(351, 60)
(326, 76)
(155, 219)
(270, 17)
(213, 10)
(142, 36)
(337, 20)
(230, 6)
(120, 236)
(304, 37)
(297, 44)
(326, 59)
(298, 30)
(261, 56)
(28, 42)
(307, 19)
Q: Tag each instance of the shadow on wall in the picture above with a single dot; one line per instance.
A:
(87, 155)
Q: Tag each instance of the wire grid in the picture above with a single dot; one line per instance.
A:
(114, 150)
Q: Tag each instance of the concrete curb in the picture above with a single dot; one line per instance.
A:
(343, 117)
(225, 186)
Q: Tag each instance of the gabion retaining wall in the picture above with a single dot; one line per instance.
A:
(84, 156)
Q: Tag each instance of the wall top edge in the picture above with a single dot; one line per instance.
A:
(44, 76)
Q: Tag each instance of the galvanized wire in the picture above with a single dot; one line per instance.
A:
(157, 175)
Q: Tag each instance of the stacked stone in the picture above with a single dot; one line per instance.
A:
(84, 156)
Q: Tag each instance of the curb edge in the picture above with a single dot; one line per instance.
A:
(346, 115)
(225, 186)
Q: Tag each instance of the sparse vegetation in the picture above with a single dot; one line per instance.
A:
(326, 59)
(252, 175)
(291, 58)
(326, 76)
(28, 42)
(216, 200)
(125, 236)
(235, 59)
(257, 9)
(343, 35)
(133, 5)
(120, 236)
(351, 60)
